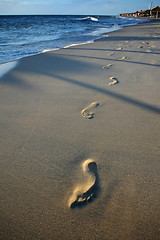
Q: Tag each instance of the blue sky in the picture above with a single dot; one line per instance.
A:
(86, 7)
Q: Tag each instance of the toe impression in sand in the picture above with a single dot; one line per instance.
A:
(86, 111)
(114, 81)
(86, 193)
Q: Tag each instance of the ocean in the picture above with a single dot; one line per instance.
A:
(22, 36)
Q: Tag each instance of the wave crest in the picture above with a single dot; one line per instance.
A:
(89, 18)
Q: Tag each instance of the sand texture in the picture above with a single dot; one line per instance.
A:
(80, 141)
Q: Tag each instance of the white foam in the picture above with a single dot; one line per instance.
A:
(78, 44)
(90, 18)
(94, 19)
(67, 46)
(49, 50)
(6, 67)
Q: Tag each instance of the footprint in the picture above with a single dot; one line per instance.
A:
(122, 58)
(145, 42)
(86, 111)
(113, 82)
(104, 67)
(110, 54)
(86, 193)
(119, 48)
(151, 46)
(108, 66)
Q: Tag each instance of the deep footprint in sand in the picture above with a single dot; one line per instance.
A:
(86, 193)
(113, 82)
(86, 111)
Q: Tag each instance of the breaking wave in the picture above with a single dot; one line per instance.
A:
(89, 18)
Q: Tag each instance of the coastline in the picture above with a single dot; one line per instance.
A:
(57, 111)
(30, 50)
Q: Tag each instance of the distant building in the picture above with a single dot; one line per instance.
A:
(135, 14)
(139, 13)
(155, 13)
(127, 14)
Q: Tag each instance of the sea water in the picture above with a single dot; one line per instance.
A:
(22, 36)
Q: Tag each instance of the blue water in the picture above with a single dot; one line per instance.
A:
(22, 36)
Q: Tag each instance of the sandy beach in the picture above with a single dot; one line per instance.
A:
(80, 141)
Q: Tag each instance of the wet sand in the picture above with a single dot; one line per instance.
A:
(80, 142)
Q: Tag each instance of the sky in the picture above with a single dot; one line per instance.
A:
(80, 7)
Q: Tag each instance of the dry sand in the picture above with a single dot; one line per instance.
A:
(46, 142)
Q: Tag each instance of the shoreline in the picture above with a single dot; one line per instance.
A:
(80, 140)
(72, 44)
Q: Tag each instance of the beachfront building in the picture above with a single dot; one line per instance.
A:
(127, 14)
(153, 13)
(135, 14)
(139, 14)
